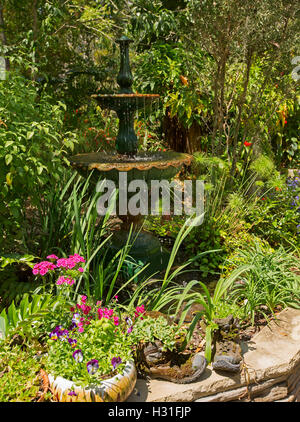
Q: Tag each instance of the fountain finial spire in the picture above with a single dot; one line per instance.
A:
(124, 77)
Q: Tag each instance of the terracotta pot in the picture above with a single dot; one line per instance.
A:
(115, 389)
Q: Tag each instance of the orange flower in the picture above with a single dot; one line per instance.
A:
(184, 80)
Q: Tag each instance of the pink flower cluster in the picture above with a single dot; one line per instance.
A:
(139, 310)
(108, 313)
(85, 310)
(81, 324)
(43, 267)
(70, 262)
(84, 307)
(65, 280)
(52, 257)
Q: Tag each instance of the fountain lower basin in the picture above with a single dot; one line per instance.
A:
(143, 166)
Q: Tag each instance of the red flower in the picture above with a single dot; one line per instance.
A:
(247, 144)
(285, 122)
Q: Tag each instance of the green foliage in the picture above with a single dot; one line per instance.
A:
(151, 329)
(196, 292)
(263, 166)
(271, 280)
(275, 216)
(12, 288)
(9, 259)
(101, 340)
(27, 122)
(13, 270)
(30, 311)
(285, 139)
(155, 293)
(66, 218)
(105, 272)
(19, 373)
(204, 238)
(161, 69)
(50, 227)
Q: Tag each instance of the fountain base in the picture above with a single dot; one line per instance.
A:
(145, 249)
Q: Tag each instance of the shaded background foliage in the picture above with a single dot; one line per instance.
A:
(223, 69)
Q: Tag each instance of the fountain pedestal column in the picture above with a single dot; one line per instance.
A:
(127, 141)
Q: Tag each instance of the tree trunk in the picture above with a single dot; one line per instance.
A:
(179, 138)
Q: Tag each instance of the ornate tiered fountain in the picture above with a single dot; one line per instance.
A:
(138, 165)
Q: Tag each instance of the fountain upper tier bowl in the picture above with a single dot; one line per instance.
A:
(131, 102)
(144, 165)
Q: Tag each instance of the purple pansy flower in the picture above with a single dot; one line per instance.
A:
(128, 321)
(63, 334)
(72, 393)
(53, 335)
(76, 318)
(72, 342)
(116, 362)
(72, 326)
(77, 355)
(92, 366)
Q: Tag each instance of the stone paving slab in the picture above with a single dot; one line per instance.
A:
(272, 353)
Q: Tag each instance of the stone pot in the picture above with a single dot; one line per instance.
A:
(115, 389)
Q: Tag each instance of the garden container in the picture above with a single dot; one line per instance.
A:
(115, 389)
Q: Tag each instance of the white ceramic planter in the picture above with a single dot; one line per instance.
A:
(115, 389)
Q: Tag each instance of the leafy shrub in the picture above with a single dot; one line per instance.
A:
(271, 280)
(204, 238)
(276, 214)
(32, 148)
(14, 269)
(263, 166)
(29, 313)
(196, 292)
